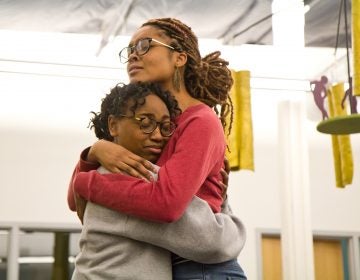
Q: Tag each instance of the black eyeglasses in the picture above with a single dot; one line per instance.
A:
(141, 47)
(148, 125)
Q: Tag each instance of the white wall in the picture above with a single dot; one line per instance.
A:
(255, 196)
(44, 113)
(42, 130)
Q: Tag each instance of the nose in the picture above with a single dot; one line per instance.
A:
(156, 135)
(133, 55)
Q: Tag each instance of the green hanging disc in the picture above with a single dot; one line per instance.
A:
(340, 125)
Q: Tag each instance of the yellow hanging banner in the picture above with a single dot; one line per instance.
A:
(342, 152)
(240, 140)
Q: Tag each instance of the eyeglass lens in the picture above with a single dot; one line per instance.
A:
(141, 48)
(149, 125)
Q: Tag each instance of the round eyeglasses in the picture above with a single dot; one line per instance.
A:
(141, 47)
(148, 125)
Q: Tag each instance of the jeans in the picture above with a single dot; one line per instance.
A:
(190, 270)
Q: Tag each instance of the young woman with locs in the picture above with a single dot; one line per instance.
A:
(166, 51)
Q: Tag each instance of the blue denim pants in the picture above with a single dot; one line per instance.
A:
(190, 270)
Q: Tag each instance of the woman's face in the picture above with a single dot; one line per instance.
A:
(157, 65)
(127, 132)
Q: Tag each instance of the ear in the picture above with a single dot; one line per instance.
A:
(112, 125)
(181, 59)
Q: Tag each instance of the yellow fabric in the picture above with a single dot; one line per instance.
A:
(240, 140)
(356, 45)
(342, 153)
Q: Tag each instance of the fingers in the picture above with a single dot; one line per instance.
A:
(134, 169)
(138, 167)
(227, 165)
(80, 206)
(224, 189)
(225, 177)
(117, 159)
(144, 174)
(142, 164)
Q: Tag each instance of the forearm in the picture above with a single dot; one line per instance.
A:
(199, 235)
(164, 200)
(154, 201)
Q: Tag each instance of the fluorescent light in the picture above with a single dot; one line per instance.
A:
(35, 260)
(44, 259)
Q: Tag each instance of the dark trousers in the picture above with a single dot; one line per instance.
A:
(190, 270)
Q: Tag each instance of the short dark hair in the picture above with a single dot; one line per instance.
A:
(116, 103)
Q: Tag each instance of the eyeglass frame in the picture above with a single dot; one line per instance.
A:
(133, 48)
(157, 124)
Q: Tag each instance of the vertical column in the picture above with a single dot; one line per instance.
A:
(61, 256)
(296, 233)
(13, 254)
(354, 249)
(288, 23)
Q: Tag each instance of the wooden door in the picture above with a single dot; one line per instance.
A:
(328, 258)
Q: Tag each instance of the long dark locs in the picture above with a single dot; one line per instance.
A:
(207, 79)
(123, 98)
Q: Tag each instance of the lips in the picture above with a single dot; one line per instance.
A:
(154, 149)
(134, 68)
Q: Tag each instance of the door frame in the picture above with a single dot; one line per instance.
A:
(352, 237)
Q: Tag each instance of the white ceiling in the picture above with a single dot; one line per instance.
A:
(233, 21)
(54, 34)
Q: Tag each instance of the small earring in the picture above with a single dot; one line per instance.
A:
(177, 79)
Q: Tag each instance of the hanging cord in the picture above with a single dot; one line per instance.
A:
(347, 42)
(338, 27)
(343, 3)
(350, 96)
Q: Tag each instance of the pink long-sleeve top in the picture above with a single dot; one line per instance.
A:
(190, 165)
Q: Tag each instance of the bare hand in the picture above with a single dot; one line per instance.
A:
(80, 206)
(117, 159)
(225, 177)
